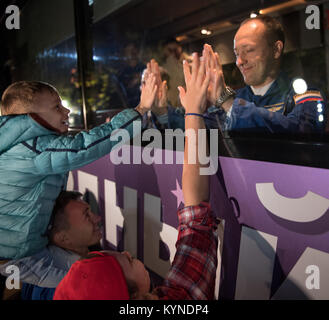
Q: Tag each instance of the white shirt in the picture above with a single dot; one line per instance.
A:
(257, 91)
(262, 90)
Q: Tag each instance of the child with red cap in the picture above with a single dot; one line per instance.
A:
(118, 276)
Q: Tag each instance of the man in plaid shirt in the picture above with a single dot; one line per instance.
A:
(113, 275)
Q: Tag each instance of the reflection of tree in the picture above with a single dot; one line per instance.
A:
(72, 93)
(99, 84)
(106, 90)
(101, 88)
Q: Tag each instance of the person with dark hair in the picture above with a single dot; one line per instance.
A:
(112, 275)
(270, 102)
(36, 154)
(129, 73)
(72, 230)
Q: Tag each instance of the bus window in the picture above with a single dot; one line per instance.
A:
(124, 42)
(44, 49)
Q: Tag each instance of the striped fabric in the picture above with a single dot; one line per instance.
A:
(308, 96)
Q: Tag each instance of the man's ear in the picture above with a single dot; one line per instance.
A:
(278, 49)
(61, 239)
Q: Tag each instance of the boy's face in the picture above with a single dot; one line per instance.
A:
(49, 107)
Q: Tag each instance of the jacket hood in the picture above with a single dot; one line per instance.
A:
(17, 129)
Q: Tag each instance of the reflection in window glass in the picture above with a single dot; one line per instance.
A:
(58, 66)
(125, 40)
(46, 41)
(121, 53)
(119, 64)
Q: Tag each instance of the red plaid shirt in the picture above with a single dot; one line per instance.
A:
(193, 271)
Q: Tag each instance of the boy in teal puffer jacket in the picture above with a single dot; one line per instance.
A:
(36, 155)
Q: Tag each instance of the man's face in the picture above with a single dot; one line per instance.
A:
(254, 56)
(84, 229)
(49, 107)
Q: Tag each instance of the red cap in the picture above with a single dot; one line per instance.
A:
(97, 278)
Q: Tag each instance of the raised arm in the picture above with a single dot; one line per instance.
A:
(195, 186)
(148, 94)
(64, 153)
(193, 271)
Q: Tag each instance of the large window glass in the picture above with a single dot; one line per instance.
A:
(128, 34)
(44, 49)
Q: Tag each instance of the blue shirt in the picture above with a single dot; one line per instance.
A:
(280, 110)
(32, 292)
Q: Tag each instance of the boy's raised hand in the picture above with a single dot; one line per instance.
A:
(148, 94)
(197, 81)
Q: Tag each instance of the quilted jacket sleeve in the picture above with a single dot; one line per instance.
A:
(59, 154)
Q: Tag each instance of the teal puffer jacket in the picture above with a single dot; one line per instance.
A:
(34, 165)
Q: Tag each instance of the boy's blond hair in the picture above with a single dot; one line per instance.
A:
(19, 97)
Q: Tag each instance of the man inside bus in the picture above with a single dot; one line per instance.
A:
(269, 102)
(73, 229)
